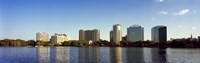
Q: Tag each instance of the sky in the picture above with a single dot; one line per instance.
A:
(22, 19)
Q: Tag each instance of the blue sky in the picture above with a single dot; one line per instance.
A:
(21, 19)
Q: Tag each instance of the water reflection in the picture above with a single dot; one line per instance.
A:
(89, 55)
(53, 54)
(62, 55)
(134, 55)
(44, 55)
(116, 55)
(97, 55)
(158, 55)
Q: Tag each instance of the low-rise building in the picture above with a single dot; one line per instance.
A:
(42, 36)
(59, 38)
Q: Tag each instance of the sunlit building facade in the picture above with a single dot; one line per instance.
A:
(159, 34)
(135, 33)
(59, 38)
(93, 35)
(42, 36)
(81, 34)
(117, 33)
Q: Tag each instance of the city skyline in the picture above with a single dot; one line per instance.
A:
(21, 19)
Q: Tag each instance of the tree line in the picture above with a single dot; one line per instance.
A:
(182, 43)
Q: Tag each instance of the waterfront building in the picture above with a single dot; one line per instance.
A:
(135, 33)
(93, 35)
(42, 36)
(159, 34)
(81, 34)
(111, 36)
(59, 38)
(117, 33)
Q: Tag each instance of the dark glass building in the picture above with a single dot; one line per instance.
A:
(159, 34)
(135, 33)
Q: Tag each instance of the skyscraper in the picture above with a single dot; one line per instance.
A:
(59, 38)
(159, 34)
(111, 36)
(42, 36)
(96, 36)
(81, 34)
(93, 35)
(135, 33)
(117, 33)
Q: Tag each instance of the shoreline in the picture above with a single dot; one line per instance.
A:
(98, 46)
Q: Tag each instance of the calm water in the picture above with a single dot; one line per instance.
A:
(97, 55)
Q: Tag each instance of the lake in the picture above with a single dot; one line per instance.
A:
(97, 55)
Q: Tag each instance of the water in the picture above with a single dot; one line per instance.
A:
(97, 55)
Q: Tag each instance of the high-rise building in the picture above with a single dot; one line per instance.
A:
(93, 35)
(59, 38)
(159, 34)
(117, 33)
(135, 33)
(111, 36)
(42, 36)
(96, 36)
(81, 34)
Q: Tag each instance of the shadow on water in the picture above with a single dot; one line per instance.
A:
(89, 55)
(134, 55)
(159, 55)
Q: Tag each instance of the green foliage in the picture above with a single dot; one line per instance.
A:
(19, 42)
(183, 43)
(42, 43)
(66, 43)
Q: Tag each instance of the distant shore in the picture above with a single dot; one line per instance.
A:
(103, 43)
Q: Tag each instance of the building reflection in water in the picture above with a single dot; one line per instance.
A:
(134, 55)
(158, 55)
(62, 54)
(58, 54)
(43, 54)
(116, 55)
(89, 55)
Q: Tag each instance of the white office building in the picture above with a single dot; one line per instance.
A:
(59, 38)
(117, 33)
(42, 36)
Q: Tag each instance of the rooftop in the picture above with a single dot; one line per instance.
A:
(136, 25)
(117, 25)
